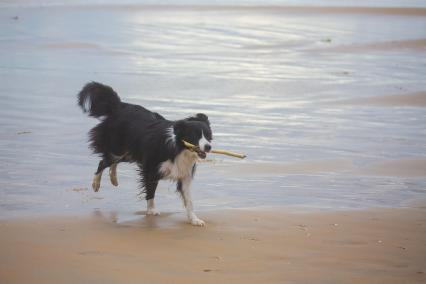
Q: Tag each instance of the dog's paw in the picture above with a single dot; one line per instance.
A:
(96, 185)
(113, 176)
(152, 212)
(197, 222)
(114, 180)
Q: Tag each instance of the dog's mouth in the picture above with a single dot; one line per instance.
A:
(201, 154)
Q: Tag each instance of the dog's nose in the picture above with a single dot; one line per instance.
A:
(207, 148)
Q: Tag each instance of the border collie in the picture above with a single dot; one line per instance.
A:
(131, 133)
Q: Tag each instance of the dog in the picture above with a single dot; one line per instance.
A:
(131, 133)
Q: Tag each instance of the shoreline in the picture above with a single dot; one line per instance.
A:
(80, 200)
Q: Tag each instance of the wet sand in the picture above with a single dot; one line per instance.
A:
(417, 99)
(71, 45)
(395, 168)
(238, 246)
(291, 9)
(416, 45)
(402, 167)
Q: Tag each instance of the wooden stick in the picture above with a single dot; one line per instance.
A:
(232, 154)
(223, 152)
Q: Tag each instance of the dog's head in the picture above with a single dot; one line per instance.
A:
(195, 130)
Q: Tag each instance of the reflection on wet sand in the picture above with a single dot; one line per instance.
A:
(321, 99)
(71, 45)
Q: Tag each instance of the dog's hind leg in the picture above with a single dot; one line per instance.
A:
(113, 174)
(115, 160)
(96, 183)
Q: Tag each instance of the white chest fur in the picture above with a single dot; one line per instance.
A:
(181, 167)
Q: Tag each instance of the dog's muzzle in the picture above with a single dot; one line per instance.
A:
(201, 154)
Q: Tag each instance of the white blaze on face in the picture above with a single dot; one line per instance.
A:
(203, 142)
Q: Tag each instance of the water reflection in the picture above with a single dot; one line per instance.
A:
(263, 78)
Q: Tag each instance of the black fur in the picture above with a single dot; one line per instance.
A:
(98, 100)
(131, 133)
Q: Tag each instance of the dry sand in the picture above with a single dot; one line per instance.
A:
(376, 246)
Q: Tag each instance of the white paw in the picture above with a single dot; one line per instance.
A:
(96, 183)
(114, 180)
(96, 186)
(113, 177)
(152, 212)
(197, 222)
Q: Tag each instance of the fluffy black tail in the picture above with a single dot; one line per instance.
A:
(98, 99)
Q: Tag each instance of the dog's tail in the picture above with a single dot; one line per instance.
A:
(98, 99)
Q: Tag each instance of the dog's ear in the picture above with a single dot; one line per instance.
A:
(179, 128)
(200, 117)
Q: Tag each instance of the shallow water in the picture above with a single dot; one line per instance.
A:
(269, 81)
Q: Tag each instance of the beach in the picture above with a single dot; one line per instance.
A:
(326, 100)
(237, 246)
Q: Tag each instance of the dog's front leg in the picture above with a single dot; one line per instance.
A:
(184, 188)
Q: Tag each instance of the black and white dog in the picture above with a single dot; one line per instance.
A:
(131, 133)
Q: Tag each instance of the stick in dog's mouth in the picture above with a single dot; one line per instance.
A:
(203, 154)
(195, 149)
